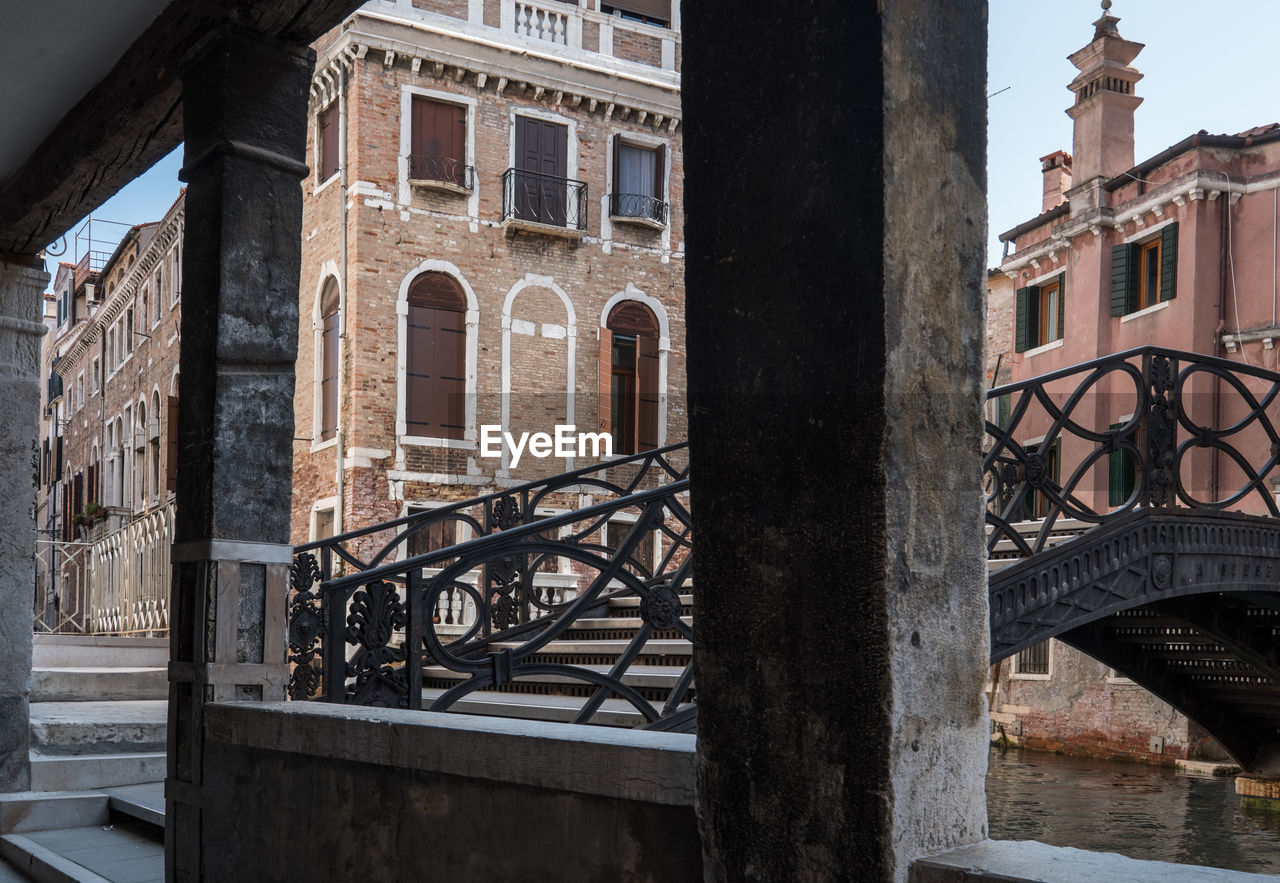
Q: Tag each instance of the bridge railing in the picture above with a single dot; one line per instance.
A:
(1149, 427)
(365, 638)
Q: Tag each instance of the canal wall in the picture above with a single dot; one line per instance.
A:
(1080, 707)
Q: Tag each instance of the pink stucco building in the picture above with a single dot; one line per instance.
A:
(1177, 250)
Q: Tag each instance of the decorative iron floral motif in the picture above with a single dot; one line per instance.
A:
(506, 513)
(1161, 571)
(661, 607)
(1035, 470)
(376, 615)
(1161, 430)
(306, 627)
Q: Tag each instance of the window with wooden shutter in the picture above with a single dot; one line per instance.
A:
(1026, 319)
(171, 444)
(633, 391)
(651, 12)
(606, 382)
(438, 147)
(638, 182)
(1124, 280)
(435, 394)
(327, 141)
(1120, 474)
(329, 320)
(1169, 262)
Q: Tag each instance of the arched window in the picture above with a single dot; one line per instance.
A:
(153, 449)
(329, 360)
(629, 378)
(435, 363)
(140, 459)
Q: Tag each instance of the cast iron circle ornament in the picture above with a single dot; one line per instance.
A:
(1161, 571)
(1035, 470)
(661, 608)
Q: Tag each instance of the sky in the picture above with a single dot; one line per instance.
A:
(1207, 65)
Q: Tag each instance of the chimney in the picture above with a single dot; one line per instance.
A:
(1102, 140)
(1057, 178)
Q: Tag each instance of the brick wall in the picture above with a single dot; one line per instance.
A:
(389, 238)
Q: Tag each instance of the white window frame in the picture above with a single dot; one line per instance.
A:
(319, 146)
(328, 270)
(404, 189)
(1016, 675)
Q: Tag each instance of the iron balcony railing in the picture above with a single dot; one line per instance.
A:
(544, 199)
(637, 205)
(366, 638)
(1146, 428)
(443, 169)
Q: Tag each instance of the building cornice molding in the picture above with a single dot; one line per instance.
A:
(506, 74)
(149, 257)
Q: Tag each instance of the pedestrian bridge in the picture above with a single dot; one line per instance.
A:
(1131, 513)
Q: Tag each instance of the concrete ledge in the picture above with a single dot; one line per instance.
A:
(38, 810)
(1010, 861)
(40, 863)
(1208, 768)
(623, 764)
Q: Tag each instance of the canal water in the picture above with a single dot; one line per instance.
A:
(1136, 810)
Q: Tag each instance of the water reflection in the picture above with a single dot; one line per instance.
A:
(1136, 810)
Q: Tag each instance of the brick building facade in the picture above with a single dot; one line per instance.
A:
(107, 459)
(492, 236)
(1178, 251)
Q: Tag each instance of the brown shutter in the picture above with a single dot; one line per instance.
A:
(420, 111)
(329, 142)
(646, 393)
(659, 169)
(419, 371)
(606, 381)
(329, 378)
(171, 444)
(449, 359)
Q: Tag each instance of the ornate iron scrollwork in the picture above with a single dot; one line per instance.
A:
(505, 513)
(376, 615)
(661, 607)
(1161, 428)
(306, 627)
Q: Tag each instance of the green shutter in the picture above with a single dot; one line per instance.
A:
(1003, 404)
(1020, 321)
(1119, 475)
(1124, 280)
(1169, 262)
(1062, 305)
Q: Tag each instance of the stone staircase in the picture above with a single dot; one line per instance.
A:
(98, 711)
(593, 643)
(1006, 553)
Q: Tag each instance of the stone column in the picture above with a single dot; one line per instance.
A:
(245, 125)
(835, 324)
(22, 282)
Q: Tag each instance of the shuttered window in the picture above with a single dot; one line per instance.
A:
(1040, 313)
(1120, 475)
(653, 12)
(327, 142)
(171, 444)
(1145, 273)
(629, 391)
(438, 144)
(329, 361)
(435, 394)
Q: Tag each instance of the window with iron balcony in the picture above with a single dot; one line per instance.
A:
(1040, 313)
(438, 148)
(638, 184)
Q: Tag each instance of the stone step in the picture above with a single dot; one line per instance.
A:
(24, 811)
(63, 772)
(604, 623)
(112, 852)
(143, 802)
(632, 603)
(72, 651)
(557, 709)
(83, 728)
(679, 647)
(661, 676)
(1062, 525)
(89, 684)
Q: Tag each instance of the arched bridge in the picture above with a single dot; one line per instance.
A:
(1132, 514)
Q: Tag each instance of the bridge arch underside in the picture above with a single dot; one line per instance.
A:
(1185, 603)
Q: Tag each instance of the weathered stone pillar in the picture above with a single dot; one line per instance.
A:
(244, 118)
(22, 282)
(835, 316)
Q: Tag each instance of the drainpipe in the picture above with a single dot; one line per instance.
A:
(338, 519)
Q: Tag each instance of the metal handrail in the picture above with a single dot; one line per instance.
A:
(544, 199)
(1151, 393)
(444, 169)
(638, 205)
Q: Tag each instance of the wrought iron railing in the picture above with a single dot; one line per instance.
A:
(544, 199)
(443, 169)
(1146, 428)
(366, 638)
(637, 205)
